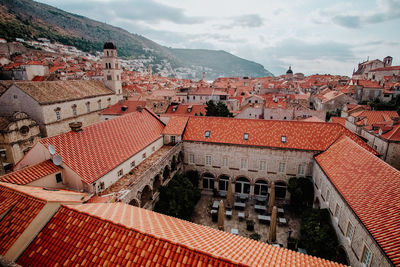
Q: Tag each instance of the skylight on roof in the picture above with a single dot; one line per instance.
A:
(283, 139)
(207, 134)
(246, 136)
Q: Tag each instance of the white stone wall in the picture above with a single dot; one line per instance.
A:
(112, 176)
(361, 237)
(253, 155)
(250, 113)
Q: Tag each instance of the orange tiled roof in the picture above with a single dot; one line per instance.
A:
(316, 136)
(371, 188)
(340, 120)
(104, 234)
(393, 134)
(176, 125)
(101, 147)
(182, 109)
(375, 116)
(128, 105)
(22, 209)
(30, 174)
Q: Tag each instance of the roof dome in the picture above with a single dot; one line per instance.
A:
(109, 45)
(289, 71)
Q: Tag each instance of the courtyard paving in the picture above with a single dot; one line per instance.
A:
(202, 215)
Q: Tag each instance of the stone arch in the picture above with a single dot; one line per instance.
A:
(280, 189)
(173, 163)
(208, 180)
(242, 185)
(146, 195)
(261, 187)
(341, 256)
(134, 202)
(166, 172)
(223, 181)
(157, 182)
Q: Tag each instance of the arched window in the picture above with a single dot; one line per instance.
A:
(261, 188)
(208, 181)
(280, 190)
(223, 183)
(242, 185)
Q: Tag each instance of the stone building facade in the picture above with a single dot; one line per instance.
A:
(18, 134)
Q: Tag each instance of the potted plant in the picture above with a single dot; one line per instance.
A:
(250, 225)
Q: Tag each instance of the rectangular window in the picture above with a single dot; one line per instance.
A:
(243, 163)
(153, 148)
(301, 169)
(350, 231)
(133, 164)
(108, 77)
(262, 165)
(58, 115)
(88, 107)
(120, 172)
(99, 103)
(208, 160)
(191, 158)
(144, 155)
(327, 195)
(283, 139)
(366, 256)
(246, 136)
(282, 167)
(225, 162)
(173, 139)
(74, 111)
(207, 134)
(58, 178)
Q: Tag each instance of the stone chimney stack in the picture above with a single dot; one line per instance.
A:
(76, 126)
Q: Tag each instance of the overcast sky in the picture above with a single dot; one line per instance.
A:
(313, 36)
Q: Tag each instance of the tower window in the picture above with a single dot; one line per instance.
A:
(88, 106)
(99, 103)
(58, 115)
(108, 77)
(74, 110)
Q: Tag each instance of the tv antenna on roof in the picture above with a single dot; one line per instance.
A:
(52, 150)
(57, 160)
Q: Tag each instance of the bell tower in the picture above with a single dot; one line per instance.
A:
(111, 68)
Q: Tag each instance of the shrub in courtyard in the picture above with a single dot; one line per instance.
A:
(301, 192)
(193, 177)
(317, 235)
(255, 236)
(250, 225)
(178, 198)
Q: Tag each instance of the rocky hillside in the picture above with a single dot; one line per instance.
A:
(31, 20)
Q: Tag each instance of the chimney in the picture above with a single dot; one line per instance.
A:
(76, 126)
(139, 108)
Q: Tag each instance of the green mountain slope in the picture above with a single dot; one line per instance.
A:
(31, 20)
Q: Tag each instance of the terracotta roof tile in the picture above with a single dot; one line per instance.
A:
(182, 110)
(176, 125)
(317, 136)
(340, 120)
(103, 146)
(31, 173)
(375, 116)
(123, 107)
(123, 234)
(393, 134)
(22, 209)
(371, 188)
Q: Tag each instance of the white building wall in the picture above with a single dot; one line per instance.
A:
(345, 215)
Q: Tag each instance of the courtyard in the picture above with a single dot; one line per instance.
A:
(202, 215)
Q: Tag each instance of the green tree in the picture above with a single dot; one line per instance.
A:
(178, 198)
(317, 235)
(217, 110)
(301, 192)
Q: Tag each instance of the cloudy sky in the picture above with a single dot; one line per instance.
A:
(313, 36)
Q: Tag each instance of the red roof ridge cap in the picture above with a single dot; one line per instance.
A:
(71, 207)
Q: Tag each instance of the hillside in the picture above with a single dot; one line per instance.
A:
(31, 20)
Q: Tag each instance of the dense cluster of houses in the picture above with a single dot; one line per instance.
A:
(79, 145)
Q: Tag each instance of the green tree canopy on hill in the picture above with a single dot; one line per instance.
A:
(217, 110)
